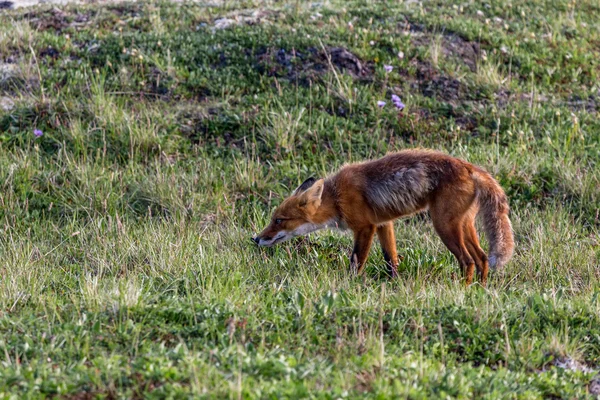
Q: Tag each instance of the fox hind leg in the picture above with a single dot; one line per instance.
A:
(449, 226)
(387, 240)
(453, 239)
(475, 250)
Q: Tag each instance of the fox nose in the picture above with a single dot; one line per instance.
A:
(256, 239)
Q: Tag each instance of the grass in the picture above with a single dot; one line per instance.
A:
(128, 269)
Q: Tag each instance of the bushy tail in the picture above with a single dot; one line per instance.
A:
(493, 207)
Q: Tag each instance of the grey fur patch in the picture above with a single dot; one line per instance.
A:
(400, 191)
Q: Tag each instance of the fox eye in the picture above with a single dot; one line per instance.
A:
(278, 221)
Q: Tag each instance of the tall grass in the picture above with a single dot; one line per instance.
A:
(127, 266)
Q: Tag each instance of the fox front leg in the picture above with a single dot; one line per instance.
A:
(387, 240)
(363, 238)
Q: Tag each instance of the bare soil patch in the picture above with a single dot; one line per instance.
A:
(308, 65)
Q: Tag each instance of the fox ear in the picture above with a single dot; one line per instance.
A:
(312, 196)
(305, 185)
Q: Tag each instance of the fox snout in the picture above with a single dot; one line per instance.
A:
(257, 239)
(271, 239)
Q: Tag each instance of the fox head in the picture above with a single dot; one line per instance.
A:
(295, 216)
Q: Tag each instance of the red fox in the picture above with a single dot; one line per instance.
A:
(366, 197)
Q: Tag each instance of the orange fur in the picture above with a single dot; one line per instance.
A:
(366, 197)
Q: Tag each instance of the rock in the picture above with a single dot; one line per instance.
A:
(6, 103)
(7, 72)
(594, 386)
(224, 23)
(572, 365)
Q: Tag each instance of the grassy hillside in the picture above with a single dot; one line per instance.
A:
(141, 146)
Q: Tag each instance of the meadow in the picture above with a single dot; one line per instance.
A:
(142, 145)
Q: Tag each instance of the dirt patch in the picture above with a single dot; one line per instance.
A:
(308, 65)
(466, 122)
(57, 19)
(590, 104)
(422, 77)
(50, 52)
(292, 65)
(54, 19)
(431, 82)
(439, 86)
(346, 61)
(451, 44)
(468, 52)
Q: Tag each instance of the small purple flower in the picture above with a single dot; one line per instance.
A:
(397, 102)
(388, 68)
(381, 104)
(37, 132)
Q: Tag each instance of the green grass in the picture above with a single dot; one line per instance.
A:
(127, 267)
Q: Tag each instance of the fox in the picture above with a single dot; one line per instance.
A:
(366, 197)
